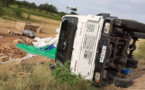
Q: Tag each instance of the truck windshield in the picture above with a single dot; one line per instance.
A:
(66, 39)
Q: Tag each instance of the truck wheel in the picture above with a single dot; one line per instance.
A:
(132, 61)
(131, 66)
(120, 82)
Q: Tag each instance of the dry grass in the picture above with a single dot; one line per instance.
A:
(48, 26)
(138, 43)
(6, 25)
(37, 76)
(139, 53)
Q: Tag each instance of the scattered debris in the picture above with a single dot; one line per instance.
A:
(15, 33)
(41, 42)
(28, 33)
(28, 26)
(38, 51)
(18, 41)
(3, 58)
(1, 37)
(11, 51)
(27, 41)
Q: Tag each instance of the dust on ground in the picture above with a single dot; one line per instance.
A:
(48, 26)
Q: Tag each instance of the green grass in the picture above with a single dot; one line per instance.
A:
(14, 13)
(41, 78)
(1, 11)
(141, 52)
(42, 14)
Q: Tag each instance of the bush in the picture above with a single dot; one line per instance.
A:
(40, 78)
(64, 76)
(1, 11)
(18, 12)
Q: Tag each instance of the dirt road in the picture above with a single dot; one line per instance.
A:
(138, 76)
(139, 84)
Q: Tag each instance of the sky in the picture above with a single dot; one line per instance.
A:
(124, 9)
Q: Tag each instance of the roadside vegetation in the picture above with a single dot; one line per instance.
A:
(14, 9)
(140, 54)
(38, 76)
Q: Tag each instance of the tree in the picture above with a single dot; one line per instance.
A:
(47, 8)
(52, 9)
(33, 5)
(61, 14)
(18, 3)
(41, 7)
(7, 2)
(73, 13)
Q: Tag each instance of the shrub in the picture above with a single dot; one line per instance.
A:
(1, 11)
(18, 12)
(64, 76)
(141, 52)
(40, 78)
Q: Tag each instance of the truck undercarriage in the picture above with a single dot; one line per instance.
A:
(120, 44)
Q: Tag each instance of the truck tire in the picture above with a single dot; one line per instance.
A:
(120, 82)
(130, 25)
(132, 61)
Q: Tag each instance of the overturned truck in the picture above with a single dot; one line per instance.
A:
(99, 47)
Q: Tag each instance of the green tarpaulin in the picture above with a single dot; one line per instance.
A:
(33, 50)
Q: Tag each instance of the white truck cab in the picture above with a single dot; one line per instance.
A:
(85, 45)
(97, 45)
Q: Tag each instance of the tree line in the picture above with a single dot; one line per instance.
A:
(42, 7)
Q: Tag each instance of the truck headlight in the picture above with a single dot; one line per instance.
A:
(107, 28)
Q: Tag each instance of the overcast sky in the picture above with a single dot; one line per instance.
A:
(128, 9)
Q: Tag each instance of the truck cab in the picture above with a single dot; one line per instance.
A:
(97, 46)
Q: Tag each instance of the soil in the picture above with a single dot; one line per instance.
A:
(138, 77)
(6, 38)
